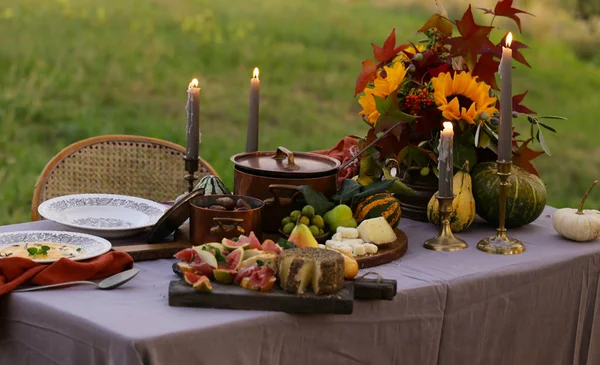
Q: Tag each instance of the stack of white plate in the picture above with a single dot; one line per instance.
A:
(104, 215)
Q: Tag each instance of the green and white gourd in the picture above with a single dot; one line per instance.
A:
(212, 185)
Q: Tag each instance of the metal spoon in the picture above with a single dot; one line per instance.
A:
(110, 282)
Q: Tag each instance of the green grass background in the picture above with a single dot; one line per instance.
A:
(75, 69)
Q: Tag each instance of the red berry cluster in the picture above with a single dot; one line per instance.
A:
(418, 100)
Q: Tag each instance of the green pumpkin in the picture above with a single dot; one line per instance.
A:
(526, 195)
(379, 205)
(212, 185)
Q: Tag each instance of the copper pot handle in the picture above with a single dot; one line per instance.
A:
(274, 187)
(220, 229)
(282, 153)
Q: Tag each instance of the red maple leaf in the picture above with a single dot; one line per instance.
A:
(423, 69)
(486, 69)
(515, 134)
(515, 46)
(516, 104)
(435, 72)
(390, 145)
(368, 74)
(474, 39)
(389, 50)
(438, 22)
(524, 155)
(504, 8)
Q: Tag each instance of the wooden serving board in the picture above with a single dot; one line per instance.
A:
(182, 294)
(364, 288)
(141, 251)
(386, 253)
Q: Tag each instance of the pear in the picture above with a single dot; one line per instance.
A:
(301, 236)
(340, 216)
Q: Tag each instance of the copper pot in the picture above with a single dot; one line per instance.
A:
(274, 177)
(211, 225)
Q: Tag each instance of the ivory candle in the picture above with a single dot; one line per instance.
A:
(193, 121)
(252, 132)
(446, 161)
(505, 133)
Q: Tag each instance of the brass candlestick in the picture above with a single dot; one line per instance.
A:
(502, 244)
(191, 166)
(445, 239)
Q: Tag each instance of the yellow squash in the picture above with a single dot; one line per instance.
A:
(463, 204)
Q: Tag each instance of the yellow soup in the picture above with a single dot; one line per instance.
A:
(41, 251)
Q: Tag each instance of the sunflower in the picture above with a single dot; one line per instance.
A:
(461, 97)
(389, 79)
(367, 101)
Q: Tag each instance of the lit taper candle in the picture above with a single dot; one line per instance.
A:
(446, 161)
(252, 132)
(193, 121)
(505, 134)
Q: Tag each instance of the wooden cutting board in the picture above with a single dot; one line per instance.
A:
(142, 251)
(364, 288)
(182, 294)
(386, 253)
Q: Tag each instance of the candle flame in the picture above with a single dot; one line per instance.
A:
(255, 73)
(508, 39)
(193, 83)
(448, 126)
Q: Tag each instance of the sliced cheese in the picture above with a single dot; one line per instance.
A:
(353, 242)
(359, 250)
(376, 230)
(337, 237)
(331, 243)
(347, 232)
(370, 248)
(345, 248)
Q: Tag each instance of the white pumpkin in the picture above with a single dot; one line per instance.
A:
(578, 224)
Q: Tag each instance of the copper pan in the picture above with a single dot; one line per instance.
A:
(210, 225)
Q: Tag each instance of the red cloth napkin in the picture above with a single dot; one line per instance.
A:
(15, 271)
(343, 151)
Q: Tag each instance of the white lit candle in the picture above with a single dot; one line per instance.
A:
(252, 132)
(446, 161)
(505, 133)
(193, 121)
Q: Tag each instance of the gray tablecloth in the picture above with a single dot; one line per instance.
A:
(466, 307)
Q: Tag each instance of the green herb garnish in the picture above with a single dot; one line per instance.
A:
(285, 244)
(79, 249)
(260, 262)
(220, 258)
(34, 251)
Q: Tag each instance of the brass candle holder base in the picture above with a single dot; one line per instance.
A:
(191, 166)
(445, 240)
(501, 244)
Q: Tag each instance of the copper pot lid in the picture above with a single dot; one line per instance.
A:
(173, 218)
(284, 163)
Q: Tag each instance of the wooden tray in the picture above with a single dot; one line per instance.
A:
(386, 253)
(182, 294)
(364, 288)
(142, 251)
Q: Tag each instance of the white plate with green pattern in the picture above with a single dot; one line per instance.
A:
(104, 215)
